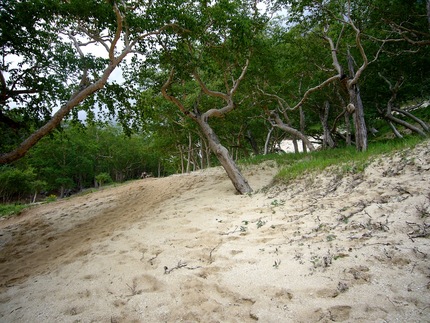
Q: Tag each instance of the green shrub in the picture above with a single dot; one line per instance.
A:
(15, 183)
(103, 178)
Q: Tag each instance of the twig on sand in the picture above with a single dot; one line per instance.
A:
(210, 253)
(419, 231)
(178, 266)
(229, 232)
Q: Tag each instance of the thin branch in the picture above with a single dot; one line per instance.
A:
(281, 101)
(340, 36)
(172, 98)
(316, 88)
(333, 49)
(119, 21)
(203, 86)
(361, 50)
(97, 38)
(242, 75)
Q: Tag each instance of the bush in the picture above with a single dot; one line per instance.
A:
(15, 183)
(103, 178)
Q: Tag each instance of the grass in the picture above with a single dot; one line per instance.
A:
(348, 159)
(7, 210)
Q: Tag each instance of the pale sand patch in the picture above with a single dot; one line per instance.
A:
(333, 247)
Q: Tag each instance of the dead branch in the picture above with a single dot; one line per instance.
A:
(419, 230)
(178, 266)
(277, 122)
(229, 232)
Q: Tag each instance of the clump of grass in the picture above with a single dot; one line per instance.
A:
(7, 210)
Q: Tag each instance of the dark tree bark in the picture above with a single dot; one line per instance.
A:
(252, 142)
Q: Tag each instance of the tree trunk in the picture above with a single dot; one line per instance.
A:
(266, 144)
(395, 131)
(327, 139)
(252, 142)
(190, 143)
(405, 124)
(181, 157)
(233, 172)
(296, 145)
(422, 123)
(358, 114)
(302, 127)
(428, 12)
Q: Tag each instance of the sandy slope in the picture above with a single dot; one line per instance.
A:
(333, 247)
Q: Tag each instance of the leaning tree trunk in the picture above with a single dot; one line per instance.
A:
(294, 132)
(358, 114)
(233, 172)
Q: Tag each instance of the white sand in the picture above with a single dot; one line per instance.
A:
(333, 247)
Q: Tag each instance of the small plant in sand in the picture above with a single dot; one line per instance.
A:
(276, 264)
(331, 237)
(244, 227)
(260, 223)
(276, 203)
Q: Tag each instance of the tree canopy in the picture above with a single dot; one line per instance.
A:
(207, 82)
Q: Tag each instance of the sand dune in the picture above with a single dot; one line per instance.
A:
(337, 246)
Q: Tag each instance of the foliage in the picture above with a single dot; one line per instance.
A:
(7, 210)
(103, 178)
(15, 183)
(49, 56)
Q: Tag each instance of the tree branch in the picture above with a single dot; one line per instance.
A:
(242, 75)
(316, 88)
(172, 98)
(361, 50)
(203, 86)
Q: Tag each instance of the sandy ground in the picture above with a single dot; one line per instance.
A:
(339, 247)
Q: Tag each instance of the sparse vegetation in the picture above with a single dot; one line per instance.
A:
(7, 210)
(348, 158)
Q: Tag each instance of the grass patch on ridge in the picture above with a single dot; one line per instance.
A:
(347, 158)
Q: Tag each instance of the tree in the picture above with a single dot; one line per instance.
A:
(356, 30)
(219, 49)
(49, 38)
